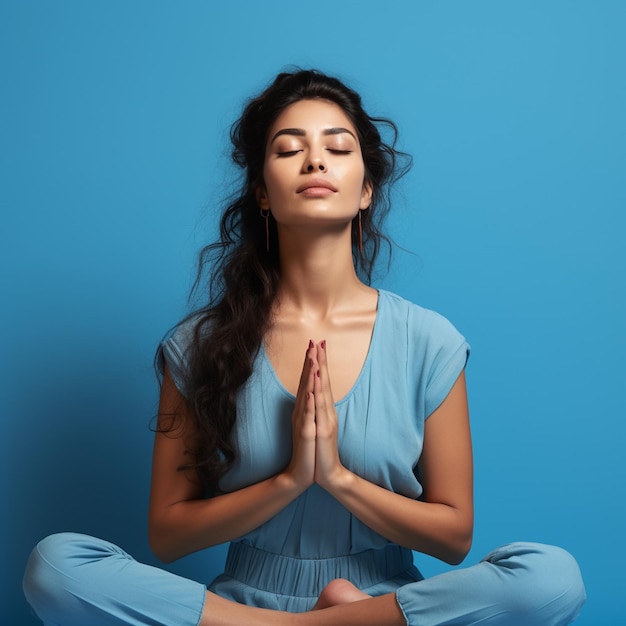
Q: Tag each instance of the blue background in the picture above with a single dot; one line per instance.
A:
(114, 120)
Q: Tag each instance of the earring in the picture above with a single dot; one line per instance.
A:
(265, 214)
(360, 234)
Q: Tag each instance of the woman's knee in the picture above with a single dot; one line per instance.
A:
(562, 580)
(63, 552)
(51, 569)
(548, 581)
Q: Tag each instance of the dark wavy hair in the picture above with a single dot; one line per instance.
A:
(242, 276)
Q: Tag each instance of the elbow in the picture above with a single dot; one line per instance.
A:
(455, 555)
(449, 549)
(162, 554)
(161, 546)
(454, 544)
(455, 551)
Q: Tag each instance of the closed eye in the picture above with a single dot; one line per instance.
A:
(287, 153)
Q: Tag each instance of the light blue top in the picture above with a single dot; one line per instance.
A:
(415, 356)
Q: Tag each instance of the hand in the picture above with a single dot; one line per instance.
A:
(301, 468)
(328, 467)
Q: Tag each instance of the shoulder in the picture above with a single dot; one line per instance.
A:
(435, 352)
(182, 336)
(175, 348)
(421, 323)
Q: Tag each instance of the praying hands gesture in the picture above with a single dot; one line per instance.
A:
(441, 524)
(183, 521)
(315, 457)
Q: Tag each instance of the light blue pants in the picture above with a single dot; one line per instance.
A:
(76, 580)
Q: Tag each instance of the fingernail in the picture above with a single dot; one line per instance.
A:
(317, 373)
(323, 344)
(311, 344)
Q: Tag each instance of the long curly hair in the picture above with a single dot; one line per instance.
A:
(240, 277)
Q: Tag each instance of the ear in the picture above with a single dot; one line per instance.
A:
(366, 195)
(261, 197)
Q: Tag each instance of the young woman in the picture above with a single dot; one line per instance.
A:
(318, 424)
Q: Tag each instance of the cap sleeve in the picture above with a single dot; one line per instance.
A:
(173, 353)
(444, 352)
(446, 368)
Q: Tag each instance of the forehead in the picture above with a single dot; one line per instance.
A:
(312, 116)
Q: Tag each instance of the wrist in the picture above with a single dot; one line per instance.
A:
(287, 483)
(340, 481)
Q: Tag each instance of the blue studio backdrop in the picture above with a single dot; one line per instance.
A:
(114, 158)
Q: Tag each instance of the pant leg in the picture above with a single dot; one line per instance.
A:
(77, 580)
(520, 584)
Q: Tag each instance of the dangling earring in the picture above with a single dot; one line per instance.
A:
(265, 214)
(360, 234)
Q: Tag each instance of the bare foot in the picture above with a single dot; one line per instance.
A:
(339, 591)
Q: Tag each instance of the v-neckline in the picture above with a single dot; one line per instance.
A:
(361, 374)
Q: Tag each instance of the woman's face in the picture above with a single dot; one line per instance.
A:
(313, 171)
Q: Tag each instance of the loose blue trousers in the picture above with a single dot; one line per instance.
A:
(77, 580)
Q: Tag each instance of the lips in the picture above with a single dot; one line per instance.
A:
(316, 183)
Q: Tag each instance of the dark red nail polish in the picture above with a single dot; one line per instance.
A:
(317, 373)
(323, 344)
(311, 344)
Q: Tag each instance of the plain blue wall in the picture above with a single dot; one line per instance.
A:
(114, 119)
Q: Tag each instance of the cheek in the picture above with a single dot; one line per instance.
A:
(357, 179)
(276, 190)
(273, 188)
(269, 181)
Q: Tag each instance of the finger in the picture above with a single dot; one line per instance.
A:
(314, 369)
(309, 415)
(304, 409)
(305, 384)
(325, 414)
(310, 352)
(322, 358)
(321, 401)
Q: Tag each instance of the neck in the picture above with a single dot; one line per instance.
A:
(317, 272)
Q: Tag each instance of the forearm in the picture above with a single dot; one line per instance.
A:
(191, 525)
(437, 529)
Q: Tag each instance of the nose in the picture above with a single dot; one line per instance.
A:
(315, 162)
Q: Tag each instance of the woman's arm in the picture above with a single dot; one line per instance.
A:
(441, 524)
(181, 521)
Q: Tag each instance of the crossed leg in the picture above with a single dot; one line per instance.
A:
(351, 608)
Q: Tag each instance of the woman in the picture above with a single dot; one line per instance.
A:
(318, 424)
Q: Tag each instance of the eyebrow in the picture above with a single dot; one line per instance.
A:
(300, 132)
